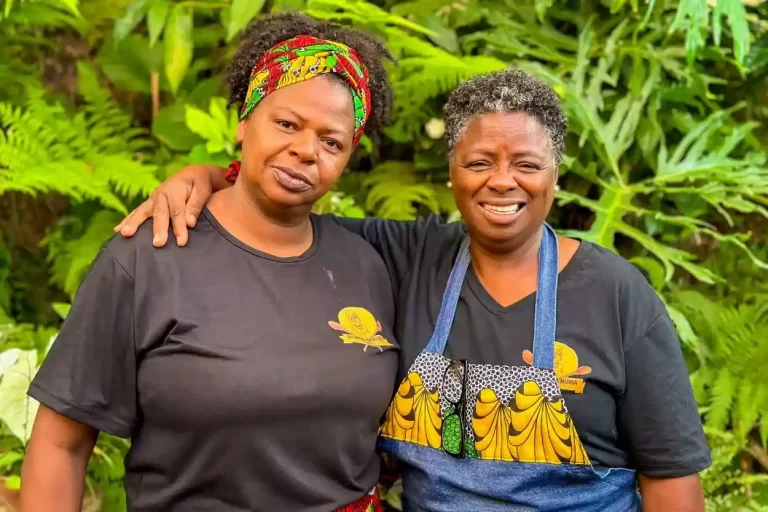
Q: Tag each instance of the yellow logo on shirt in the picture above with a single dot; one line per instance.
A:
(566, 367)
(360, 326)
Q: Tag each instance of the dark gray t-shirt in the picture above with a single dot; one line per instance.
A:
(622, 372)
(242, 379)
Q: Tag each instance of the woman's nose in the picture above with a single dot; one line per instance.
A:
(503, 180)
(304, 147)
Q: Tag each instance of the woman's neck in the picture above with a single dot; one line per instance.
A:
(511, 275)
(281, 234)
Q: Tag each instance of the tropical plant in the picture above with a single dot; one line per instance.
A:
(731, 354)
(666, 159)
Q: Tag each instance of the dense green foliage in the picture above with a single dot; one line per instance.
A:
(666, 163)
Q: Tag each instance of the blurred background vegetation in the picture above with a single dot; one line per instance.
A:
(666, 164)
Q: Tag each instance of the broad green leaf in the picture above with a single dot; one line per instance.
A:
(129, 66)
(132, 17)
(207, 127)
(17, 410)
(178, 45)
(158, 13)
(171, 128)
(8, 358)
(611, 212)
(242, 12)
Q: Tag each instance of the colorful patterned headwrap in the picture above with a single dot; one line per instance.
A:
(305, 57)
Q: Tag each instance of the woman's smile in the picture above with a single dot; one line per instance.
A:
(502, 213)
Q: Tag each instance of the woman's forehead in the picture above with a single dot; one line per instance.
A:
(320, 100)
(494, 128)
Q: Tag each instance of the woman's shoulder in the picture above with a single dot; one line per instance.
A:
(606, 266)
(603, 272)
(424, 235)
(138, 250)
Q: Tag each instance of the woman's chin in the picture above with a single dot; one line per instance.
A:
(281, 198)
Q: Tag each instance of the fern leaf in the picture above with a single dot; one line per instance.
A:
(723, 394)
(395, 192)
(91, 155)
(71, 258)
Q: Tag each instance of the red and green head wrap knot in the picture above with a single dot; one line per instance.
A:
(303, 58)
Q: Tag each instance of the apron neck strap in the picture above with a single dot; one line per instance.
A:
(545, 315)
(450, 300)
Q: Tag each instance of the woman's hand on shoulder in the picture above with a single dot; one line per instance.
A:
(178, 200)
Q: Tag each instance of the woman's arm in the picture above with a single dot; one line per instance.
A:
(53, 474)
(683, 494)
(85, 385)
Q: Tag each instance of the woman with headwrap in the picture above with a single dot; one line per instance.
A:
(250, 370)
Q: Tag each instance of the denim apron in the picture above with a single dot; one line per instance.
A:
(480, 437)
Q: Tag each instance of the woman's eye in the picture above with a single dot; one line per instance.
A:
(478, 165)
(529, 167)
(333, 144)
(286, 124)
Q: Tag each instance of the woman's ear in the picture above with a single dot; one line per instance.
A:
(240, 132)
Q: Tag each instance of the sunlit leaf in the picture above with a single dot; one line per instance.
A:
(132, 17)
(178, 45)
(17, 410)
(156, 17)
(241, 14)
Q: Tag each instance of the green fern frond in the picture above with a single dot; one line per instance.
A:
(722, 397)
(91, 155)
(71, 258)
(732, 348)
(396, 192)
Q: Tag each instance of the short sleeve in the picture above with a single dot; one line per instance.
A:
(658, 412)
(89, 374)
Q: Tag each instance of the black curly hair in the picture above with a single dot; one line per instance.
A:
(510, 90)
(267, 31)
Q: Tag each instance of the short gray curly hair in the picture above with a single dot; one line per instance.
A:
(510, 90)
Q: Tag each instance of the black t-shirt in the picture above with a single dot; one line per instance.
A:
(245, 381)
(622, 372)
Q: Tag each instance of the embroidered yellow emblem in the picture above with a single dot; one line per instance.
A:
(566, 367)
(360, 326)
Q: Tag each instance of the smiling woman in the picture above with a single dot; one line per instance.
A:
(223, 361)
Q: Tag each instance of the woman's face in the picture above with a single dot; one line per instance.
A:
(296, 143)
(503, 174)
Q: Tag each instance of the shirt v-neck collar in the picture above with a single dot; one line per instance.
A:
(494, 307)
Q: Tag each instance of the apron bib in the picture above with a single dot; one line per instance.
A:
(495, 437)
